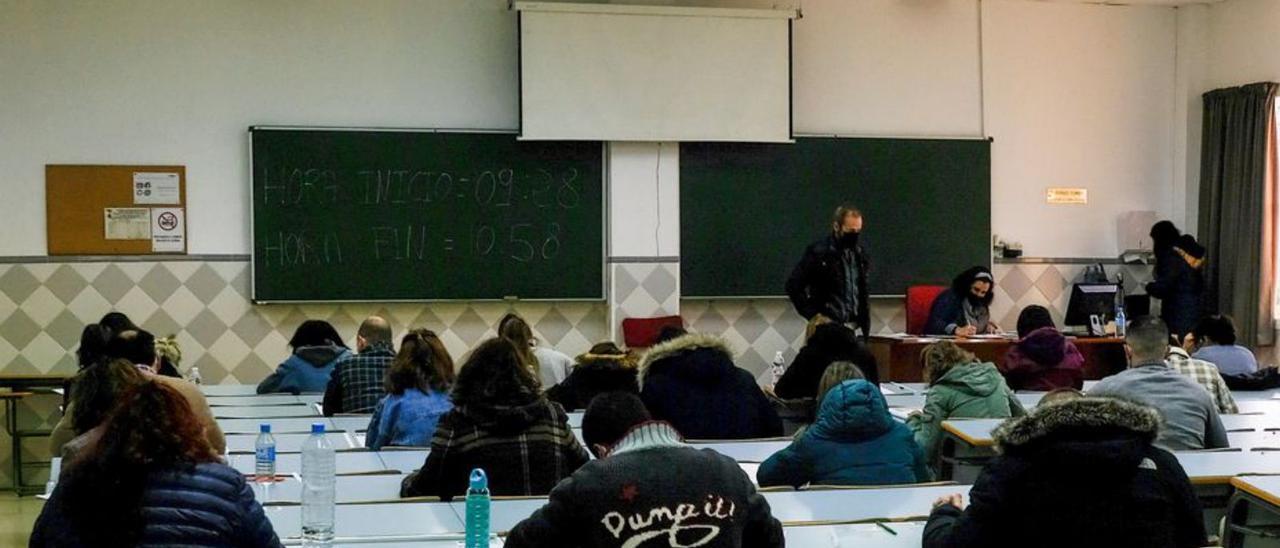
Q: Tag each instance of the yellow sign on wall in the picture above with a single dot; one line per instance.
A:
(1078, 196)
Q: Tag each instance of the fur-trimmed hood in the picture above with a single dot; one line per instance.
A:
(688, 344)
(1083, 418)
(604, 361)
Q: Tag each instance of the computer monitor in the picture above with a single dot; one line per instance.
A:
(1089, 300)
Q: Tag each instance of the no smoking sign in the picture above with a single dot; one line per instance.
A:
(167, 221)
(168, 234)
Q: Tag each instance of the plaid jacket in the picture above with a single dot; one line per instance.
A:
(526, 450)
(1205, 374)
(356, 383)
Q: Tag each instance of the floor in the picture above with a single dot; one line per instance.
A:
(17, 516)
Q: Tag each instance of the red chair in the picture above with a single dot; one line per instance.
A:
(643, 332)
(919, 300)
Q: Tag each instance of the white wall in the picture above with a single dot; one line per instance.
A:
(1192, 79)
(644, 199)
(162, 82)
(149, 81)
(1077, 96)
(1245, 36)
(887, 68)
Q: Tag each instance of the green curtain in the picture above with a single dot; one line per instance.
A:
(1237, 212)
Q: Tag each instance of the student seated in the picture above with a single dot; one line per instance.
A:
(1214, 341)
(137, 348)
(1042, 359)
(499, 423)
(170, 355)
(317, 347)
(646, 484)
(97, 390)
(604, 368)
(691, 382)
(830, 342)
(1204, 374)
(1076, 473)
(965, 309)
(550, 367)
(959, 387)
(356, 383)
(149, 478)
(1190, 417)
(854, 441)
(417, 393)
(835, 374)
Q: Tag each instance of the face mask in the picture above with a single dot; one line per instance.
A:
(976, 300)
(849, 239)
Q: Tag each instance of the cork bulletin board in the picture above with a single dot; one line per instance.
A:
(115, 209)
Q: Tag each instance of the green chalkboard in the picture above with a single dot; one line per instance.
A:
(747, 211)
(351, 215)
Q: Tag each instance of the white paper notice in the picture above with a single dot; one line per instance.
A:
(156, 188)
(168, 230)
(126, 223)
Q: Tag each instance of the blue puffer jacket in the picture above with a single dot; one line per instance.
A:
(208, 506)
(854, 441)
(307, 370)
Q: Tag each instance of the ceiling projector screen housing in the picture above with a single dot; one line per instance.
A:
(648, 73)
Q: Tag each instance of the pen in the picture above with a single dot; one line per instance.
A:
(886, 528)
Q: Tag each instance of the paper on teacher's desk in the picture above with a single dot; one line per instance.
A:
(126, 223)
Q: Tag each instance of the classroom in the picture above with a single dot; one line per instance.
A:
(404, 220)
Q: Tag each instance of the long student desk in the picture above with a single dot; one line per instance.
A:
(347, 462)
(793, 508)
(1253, 513)
(348, 489)
(263, 399)
(898, 358)
(289, 443)
(295, 425)
(265, 411)
(967, 443)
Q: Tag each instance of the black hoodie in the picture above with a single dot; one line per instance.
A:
(1078, 473)
(692, 383)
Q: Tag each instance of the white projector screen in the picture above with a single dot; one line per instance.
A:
(644, 73)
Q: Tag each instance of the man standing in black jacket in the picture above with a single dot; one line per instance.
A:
(831, 278)
(647, 484)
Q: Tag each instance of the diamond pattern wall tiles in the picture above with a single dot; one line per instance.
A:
(44, 306)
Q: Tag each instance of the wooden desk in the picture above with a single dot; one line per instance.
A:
(1253, 513)
(898, 360)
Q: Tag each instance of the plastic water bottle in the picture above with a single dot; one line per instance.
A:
(778, 367)
(264, 455)
(478, 510)
(1121, 321)
(195, 376)
(317, 489)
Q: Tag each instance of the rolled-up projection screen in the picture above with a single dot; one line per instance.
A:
(646, 73)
